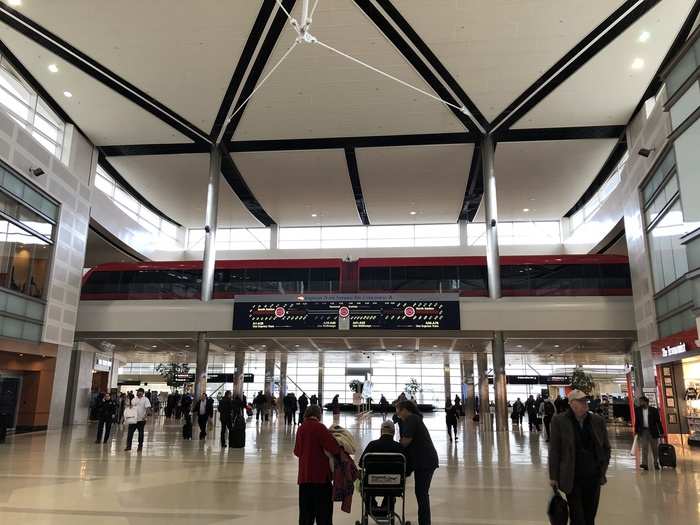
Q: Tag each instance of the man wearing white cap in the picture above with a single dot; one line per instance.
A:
(579, 454)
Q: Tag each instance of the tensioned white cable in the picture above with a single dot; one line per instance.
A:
(260, 84)
(387, 75)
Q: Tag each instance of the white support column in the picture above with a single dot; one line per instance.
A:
(484, 406)
(499, 380)
(210, 224)
(493, 265)
(200, 384)
(239, 364)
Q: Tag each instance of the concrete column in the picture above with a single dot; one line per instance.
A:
(446, 371)
(239, 364)
(283, 374)
(75, 387)
(274, 236)
(321, 364)
(484, 409)
(468, 380)
(200, 383)
(59, 392)
(463, 240)
(493, 265)
(210, 224)
(114, 373)
(269, 372)
(499, 380)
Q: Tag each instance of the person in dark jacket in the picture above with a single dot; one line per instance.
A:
(238, 404)
(648, 428)
(303, 405)
(204, 409)
(549, 411)
(385, 444)
(313, 441)
(259, 404)
(384, 406)
(532, 414)
(335, 405)
(518, 411)
(226, 417)
(106, 415)
(579, 454)
(451, 418)
(314, 399)
(421, 454)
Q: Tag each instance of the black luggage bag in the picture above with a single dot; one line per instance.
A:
(187, 430)
(237, 437)
(667, 455)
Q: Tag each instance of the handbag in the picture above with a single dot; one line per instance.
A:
(558, 509)
(635, 444)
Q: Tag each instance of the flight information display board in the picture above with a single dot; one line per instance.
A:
(346, 314)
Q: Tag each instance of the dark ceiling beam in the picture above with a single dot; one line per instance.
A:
(242, 65)
(354, 174)
(475, 187)
(372, 141)
(256, 71)
(412, 57)
(234, 178)
(623, 17)
(434, 61)
(154, 149)
(652, 89)
(97, 71)
(122, 182)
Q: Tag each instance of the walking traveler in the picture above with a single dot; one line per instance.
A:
(549, 412)
(579, 454)
(106, 415)
(226, 417)
(314, 399)
(518, 412)
(532, 414)
(384, 406)
(422, 456)
(204, 409)
(335, 405)
(259, 404)
(313, 441)
(303, 405)
(648, 429)
(451, 418)
(143, 407)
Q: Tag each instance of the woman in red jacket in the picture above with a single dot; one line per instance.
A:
(315, 490)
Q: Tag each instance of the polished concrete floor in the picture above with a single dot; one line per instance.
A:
(485, 478)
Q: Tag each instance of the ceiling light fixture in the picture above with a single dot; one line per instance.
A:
(314, 214)
(53, 68)
(68, 94)
(637, 63)
(154, 346)
(412, 212)
(15, 3)
(644, 36)
(556, 346)
(526, 210)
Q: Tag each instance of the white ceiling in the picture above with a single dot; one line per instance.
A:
(187, 41)
(606, 90)
(316, 93)
(184, 53)
(497, 48)
(294, 185)
(554, 174)
(430, 180)
(178, 184)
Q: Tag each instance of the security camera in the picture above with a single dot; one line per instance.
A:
(207, 229)
(37, 172)
(645, 152)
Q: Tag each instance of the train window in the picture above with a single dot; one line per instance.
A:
(375, 278)
(103, 283)
(323, 279)
(472, 278)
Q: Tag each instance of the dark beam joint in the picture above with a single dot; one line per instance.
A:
(475, 187)
(356, 185)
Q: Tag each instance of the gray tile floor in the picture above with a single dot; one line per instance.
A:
(485, 478)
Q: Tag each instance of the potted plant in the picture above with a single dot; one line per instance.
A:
(355, 386)
(171, 371)
(580, 380)
(412, 387)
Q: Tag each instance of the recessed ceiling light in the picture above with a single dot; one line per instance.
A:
(296, 346)
(67, 94)
(15, 3)
(314, 214)
(53, 68)
(412, 212)
(526, 210)
(434, 346)
(644, 36)
(637, 63)
(187, 346)
(400, 346)
(21, 355)
(556, 346)
(264, 346)
(520, 346)
(154, 346)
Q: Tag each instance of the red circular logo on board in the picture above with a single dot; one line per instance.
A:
(409, 311)
(344, 311)
(280, 312)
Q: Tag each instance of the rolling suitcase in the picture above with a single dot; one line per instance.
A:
(667, 455)
(187, 431)
(237, 438)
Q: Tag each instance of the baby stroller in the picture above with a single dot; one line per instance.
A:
(383, 476)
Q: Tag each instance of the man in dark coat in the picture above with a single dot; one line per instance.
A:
(226, 417)
(204, 410)
(579, 454)
(106, 413)
(648, 428)
(303, 405)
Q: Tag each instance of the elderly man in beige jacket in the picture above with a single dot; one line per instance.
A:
(579, 454)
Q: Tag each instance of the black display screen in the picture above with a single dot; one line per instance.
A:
(339, 315)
